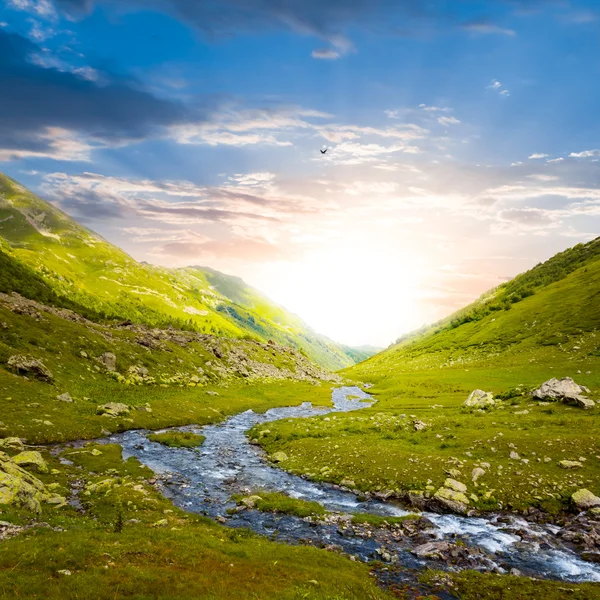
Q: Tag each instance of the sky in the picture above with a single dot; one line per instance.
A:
(463, 141)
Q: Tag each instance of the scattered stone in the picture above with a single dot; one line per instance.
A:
(457, 486)
(279, 457)
(83, 354)
(220, 519)
(565, 390)
(479, 399)
(348, 483)
(113, 409)
(452, 500)
(584, 499)
(211, 393)
(27, 365)
(31, 460)
(432, 550)
(514, 455)
(477, 473)
(66, 397)
(109, 360)
(250, 501)
(570, 464)
(64, 572)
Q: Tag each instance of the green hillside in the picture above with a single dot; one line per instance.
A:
(554, 306)
(543, 324)
(102, 280)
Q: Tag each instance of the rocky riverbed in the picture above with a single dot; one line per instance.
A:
(203, 480)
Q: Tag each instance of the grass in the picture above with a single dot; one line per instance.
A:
(178, 439)
(428, 377)
(278, 502)
(159, 551)
(471, 585)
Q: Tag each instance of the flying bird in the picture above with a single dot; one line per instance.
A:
(323, 151)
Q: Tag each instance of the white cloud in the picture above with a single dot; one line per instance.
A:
(537, 155)
(498, 87)
(326, 54)
(448, 121)
(433, 108)
(488, 28)
(585, 154)
(62, 144)
(555, 160)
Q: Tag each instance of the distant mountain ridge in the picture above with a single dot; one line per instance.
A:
(85, 272)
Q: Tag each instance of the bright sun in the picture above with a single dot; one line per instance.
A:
(334, 289)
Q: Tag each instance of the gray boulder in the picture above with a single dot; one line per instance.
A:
(27, 365)
(109, 360)
(479, 399)
(584, 499)
(564, 390)
(113, 409)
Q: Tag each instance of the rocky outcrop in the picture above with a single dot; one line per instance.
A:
(452, 496)
(12, 443)
(479, 399)
(584, 499)
(22, 489)
(564, 390)
(32, 461)
(113, 409)
(30, 367)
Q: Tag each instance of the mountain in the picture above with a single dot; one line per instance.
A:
(548, 311)
(85, 272)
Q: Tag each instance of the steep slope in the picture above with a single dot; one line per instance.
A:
(102, 280)
(551, 310)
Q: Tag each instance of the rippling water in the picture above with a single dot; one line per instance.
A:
(203, 480)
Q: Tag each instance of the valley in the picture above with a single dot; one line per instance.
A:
(98, 351)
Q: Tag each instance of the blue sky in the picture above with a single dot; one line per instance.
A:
(463, 141)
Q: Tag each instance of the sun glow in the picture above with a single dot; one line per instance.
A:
(335, 289)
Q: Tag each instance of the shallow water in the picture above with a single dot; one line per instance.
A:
(202, 480)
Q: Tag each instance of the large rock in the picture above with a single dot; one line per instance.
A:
(570, 464)
(20, 488)
(109, 360)
(32, 461)
(452, 500)
(565, 390)
(113, 409)
(432, 550)
(279, 457)
(12, 443)
(66, 397)
(479, 399)
(584, 499)
(27, 365)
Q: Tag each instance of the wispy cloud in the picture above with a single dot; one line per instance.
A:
(487, 27)
(497, 87)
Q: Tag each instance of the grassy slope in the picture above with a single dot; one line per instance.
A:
(79, 265)
(427, 377)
